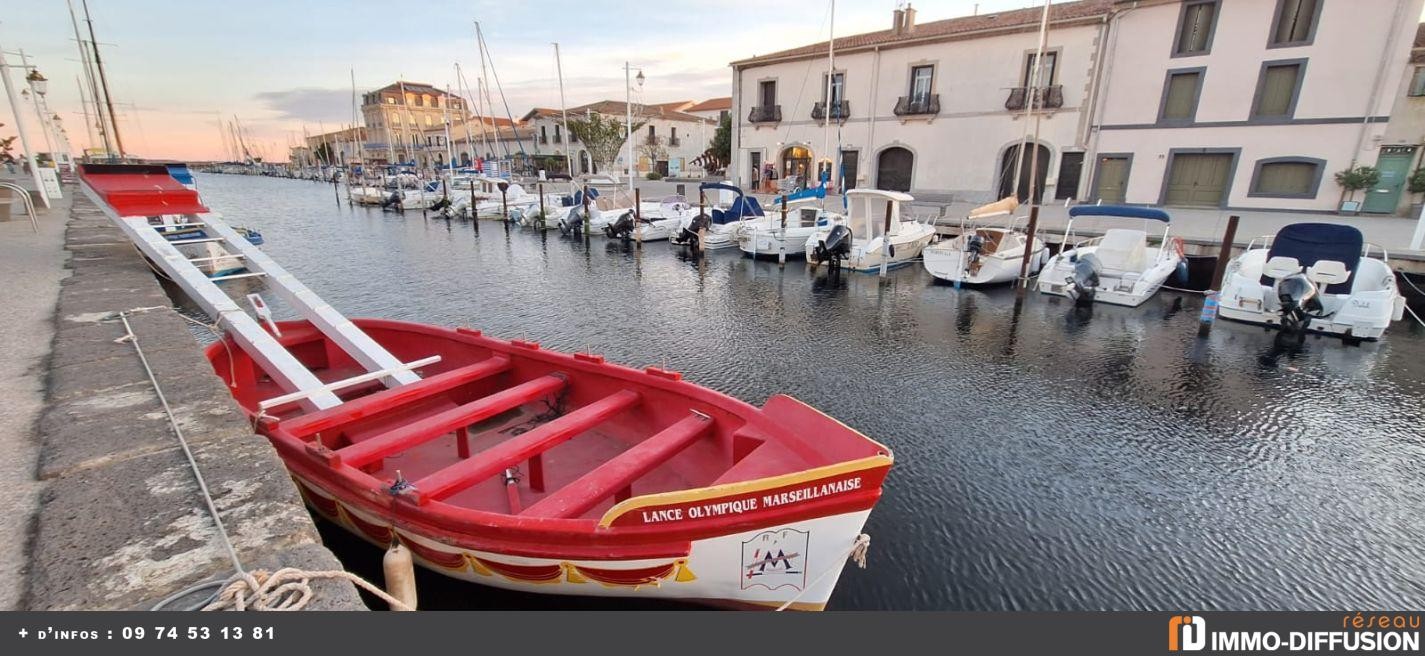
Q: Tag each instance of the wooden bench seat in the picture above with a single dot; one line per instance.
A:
(422, 431)
(619, 473)
(360, 408)
(526, 446)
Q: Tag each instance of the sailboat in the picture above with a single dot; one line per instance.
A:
(984, 254)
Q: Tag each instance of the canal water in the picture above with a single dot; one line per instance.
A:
(1047, 458)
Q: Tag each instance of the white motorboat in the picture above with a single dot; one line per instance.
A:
(602, 209)
(983, 254)
(1118, 268)
(717, 225)
(771, 236)
(1313, 277)
(876, 236)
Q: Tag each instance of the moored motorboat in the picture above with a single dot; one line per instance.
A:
(876, 235)
(1313, 277)
(507, 464)
(790, 221)
(1118, 268)
(717, 227)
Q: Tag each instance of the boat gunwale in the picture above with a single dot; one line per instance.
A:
(594, 538)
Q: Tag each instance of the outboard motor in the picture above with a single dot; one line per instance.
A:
(440, 205)
(573, 221)
(1300, 302)
(393, 202)
(834, 248)
(1082, 286)
(621, 228)
(974, 246)
(688, 235)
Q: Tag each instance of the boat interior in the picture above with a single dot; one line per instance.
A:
(510, 428)
(1331, 255)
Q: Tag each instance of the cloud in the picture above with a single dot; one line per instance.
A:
(309, 104)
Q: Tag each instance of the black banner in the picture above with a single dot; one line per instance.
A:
(866, 633)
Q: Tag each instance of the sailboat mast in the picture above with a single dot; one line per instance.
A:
(449, 154)
(514, 132)
(89, 77)
(1040, 84)
(103, 80)
(1030, 97)
(830, 85)
(563, 110)
(84, 106)
(357, 132)
(465, 116)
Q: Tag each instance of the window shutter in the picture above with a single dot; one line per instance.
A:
(1286, 178)
(1294, 22)
(1278, 87)
(1182, 91)
(1197, 23)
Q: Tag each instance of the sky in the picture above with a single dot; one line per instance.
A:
(282, 66)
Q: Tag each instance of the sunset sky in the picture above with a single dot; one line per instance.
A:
(280, 66)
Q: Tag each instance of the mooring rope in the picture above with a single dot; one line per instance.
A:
(857, 553)
(288, 588)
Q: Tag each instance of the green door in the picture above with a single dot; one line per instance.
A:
(1112, 179)
(1198, 179)
(1394, 165)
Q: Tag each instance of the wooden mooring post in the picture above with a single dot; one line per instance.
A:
(1213, 298)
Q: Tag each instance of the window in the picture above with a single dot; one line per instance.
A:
(1417, 82)
(1180, 96)
(652, 132)
(1051, 61)
(838, 88)
(557, 136)
(428, 120)
(921, 78)
(1295, 23)
(390, 100)
(1195, 29)
(1277, 90)
(768, 90)
(1287, 177)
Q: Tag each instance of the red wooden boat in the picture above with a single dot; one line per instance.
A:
(514, 466)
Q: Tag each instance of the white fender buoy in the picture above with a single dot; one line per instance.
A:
(400, 571)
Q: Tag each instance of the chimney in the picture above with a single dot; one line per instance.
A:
(908, 22)
(897, 21)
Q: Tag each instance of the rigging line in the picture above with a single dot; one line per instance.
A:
(504, 101)
(806, 77)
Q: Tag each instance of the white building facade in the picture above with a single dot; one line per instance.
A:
(1251, 104)
(667, 141)
(938, 109)
(1214, 103)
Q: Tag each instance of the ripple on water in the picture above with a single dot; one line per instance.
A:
(1046, 457)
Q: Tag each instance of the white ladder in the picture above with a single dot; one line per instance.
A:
(299, 383)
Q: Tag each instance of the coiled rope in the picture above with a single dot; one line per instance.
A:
(288, 588)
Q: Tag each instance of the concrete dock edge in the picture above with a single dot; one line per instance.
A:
(121, 522)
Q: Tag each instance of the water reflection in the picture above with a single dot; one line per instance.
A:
(1048, 456)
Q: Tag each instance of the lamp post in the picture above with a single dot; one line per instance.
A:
(628, 118)
(39, 85)
(20, 127)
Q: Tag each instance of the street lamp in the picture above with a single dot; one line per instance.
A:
(37, 81)
(628, 116)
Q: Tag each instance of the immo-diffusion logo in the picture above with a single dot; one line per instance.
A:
(1186, 633)
(1359, 632)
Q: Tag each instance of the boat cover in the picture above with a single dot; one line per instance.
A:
(141, 189)
(181, 173)
(724, 186)
(1312, 242)
(741, 208)
(1120, 211)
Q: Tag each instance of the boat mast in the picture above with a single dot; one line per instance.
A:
(89, 78)
(504, 101)
(826, 120)
(465, 116)
(563, 110)
(1030, 97)
(358, 134)
(84, 107)
(1040, 84)
(103, 80)
(475, 113)
(449, 154)
(405, 127)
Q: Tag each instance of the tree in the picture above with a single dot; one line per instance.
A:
(6, 143)
(722, 140)
(603, 137)
(1356, 179)
(652, 150)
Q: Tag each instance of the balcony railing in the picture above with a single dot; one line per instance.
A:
(558, 138)
(1051, 97)
(544, 139)
(674, 142)
(651, 140)
(912, 106)
(840, 110)
(765, 114)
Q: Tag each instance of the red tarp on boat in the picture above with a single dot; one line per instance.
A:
(141, 189)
